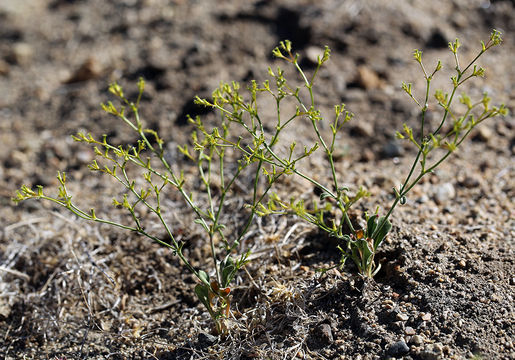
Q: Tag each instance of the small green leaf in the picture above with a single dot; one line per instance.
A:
(325, 195)
(366, 250)
(202, 292)
(204, 277)
(371, 225)
(201, 223)
(227, 271)
(385, 227)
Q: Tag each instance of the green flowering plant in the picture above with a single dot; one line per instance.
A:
(434, 147)
(361, 245)
(241, 144)
(158, 176)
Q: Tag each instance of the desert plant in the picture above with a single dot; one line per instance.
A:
(361, 244)
(331, 214)
(148, 155)
(222, 155)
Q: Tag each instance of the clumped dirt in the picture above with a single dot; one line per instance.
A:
(76, 290)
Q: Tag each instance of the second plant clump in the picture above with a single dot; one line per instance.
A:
(242, 144)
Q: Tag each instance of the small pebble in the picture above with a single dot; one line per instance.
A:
(409, 330)
(444, 193)
(89, 70)
(398, 349)
(392, 149)
(5, 309)
(438, 348)
(206, 339)
(432, 352)
(313, 53)
(4, 67)
(324, 334)
(402, 317)
(367, 155)
(85, 156)
(362, 128)
(483, 134)
(22, 53)
(417, 340)
(426, 316)
(368, 78)
(422, 199)
(470, 182)
(438, 39)
(388, 304)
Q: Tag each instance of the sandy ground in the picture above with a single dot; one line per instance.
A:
(76, 290)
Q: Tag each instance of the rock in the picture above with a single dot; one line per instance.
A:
(379, 97)
(366, 155)
(400, 105)
(444, 192)
(392, 149)
(5, 309)
(340, 83)
(388, 304)
(426, 316)
(409, 330)
(362, 128)
(417, 340)
(205, 339)
(21, 53)
(460, 20)
(503, 129)
(495, 298)
(159, 57)
(312, 54)
(422, 199)
(402, 317)
(354, 95)
(324, 334)
(470, 182)
(398, 349)
(483, 134)
(85, 156)
(89, 70)
(4, 67)
(367, 78)
(16, 159)
(438, 39)
(432, 352)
